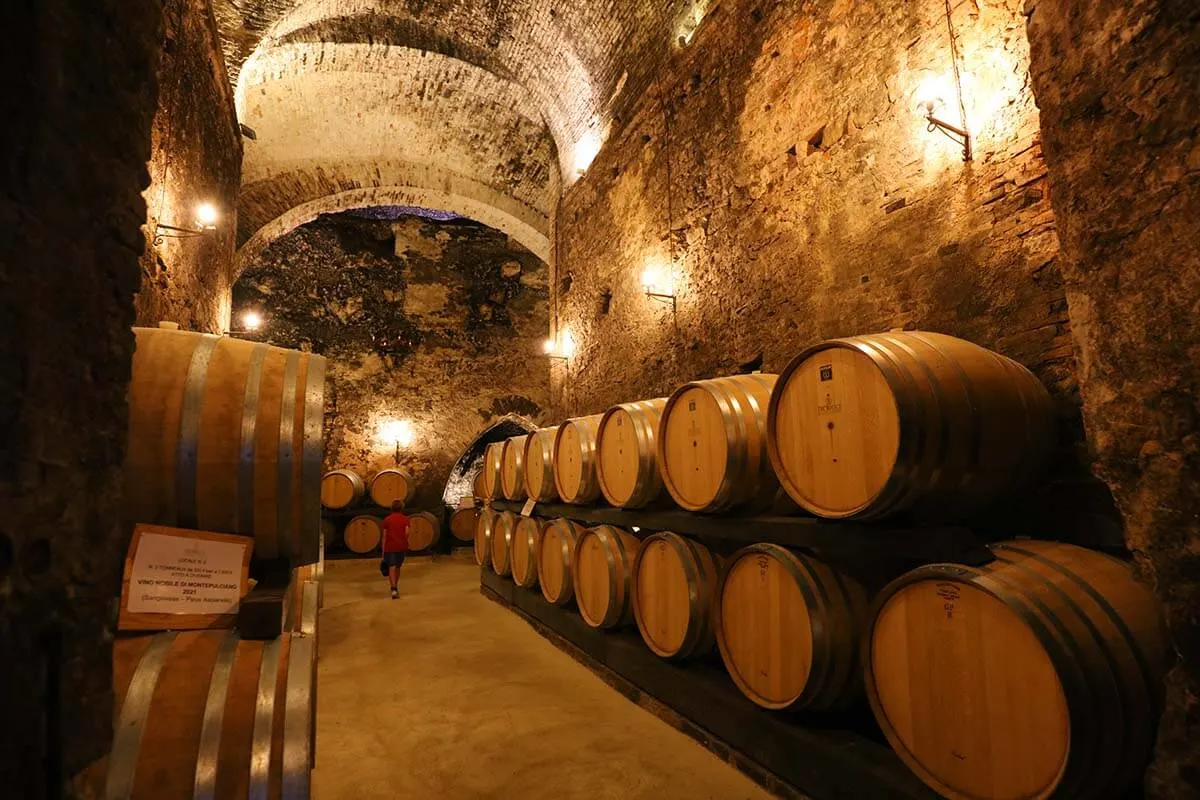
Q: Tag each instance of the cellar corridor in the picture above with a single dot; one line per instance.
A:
(445, 694)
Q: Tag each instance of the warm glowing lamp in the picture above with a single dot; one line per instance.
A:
(398, 432)
(586, 150)
(206, 219)
(252, 320)
(207, 216)
(931, 100)
(563, 349)
(658, 284)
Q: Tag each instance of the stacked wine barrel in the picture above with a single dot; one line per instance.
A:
(344, 491)
(1053, 654)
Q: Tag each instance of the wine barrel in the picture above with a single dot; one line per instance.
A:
(627, 453)
(788, 627)
(477, 486)
(539, 465)
(601, 571)
(872, 425)
(575, 460)
(390, 485)
(712, 444)
(363, 534)
(493, 459)
(526, 547)
(424, 531)
(206, 714)
(1054, 657)
(341, 488)
(502, 536)
(227, 435)
(484, 528)
(554, 561)
(462, 524)
(512, 468)
(674, 590)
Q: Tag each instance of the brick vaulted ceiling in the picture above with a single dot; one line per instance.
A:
(483, 107)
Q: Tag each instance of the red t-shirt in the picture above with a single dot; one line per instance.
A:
(395, 533)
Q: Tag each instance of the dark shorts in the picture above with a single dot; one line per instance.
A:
(393, 559)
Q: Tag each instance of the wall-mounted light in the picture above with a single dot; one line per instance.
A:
(688, 21)
(659, 284)
(586, 149)
(252, 320)
(206, 217)
(561, 350)
(930, 107)
(397, 432)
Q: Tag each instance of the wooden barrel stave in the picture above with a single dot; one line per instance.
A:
(574, 464)
(908, 421)
(627, 453)
(539, 465)
(484, 528)
(502, 537)
(226, 435)
(787, 626)
(493, 461)
(363, 534)
(526, 550)
(462, 524)
(477, 489)
(205, 714)
(601, 570)
(1066, 629)
(555, 559)
(674, 590)
(390, 485)
(728, 417)
(424, 531)
(341, 488)
(512, 468)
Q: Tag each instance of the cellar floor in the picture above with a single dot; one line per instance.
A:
(444, 694)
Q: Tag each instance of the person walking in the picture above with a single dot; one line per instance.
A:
(395, 543)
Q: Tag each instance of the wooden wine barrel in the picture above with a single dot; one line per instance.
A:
(502, 536)
(477, 486)
(575, 460)
(205, 714)
(1054, 657)
(390, 485)
(493, 459)
(601, 570)
(788, 627)
(462, 524)
(363, 534)
(873, 425)
(512, 468)
(554, 561)
(483, 537)
(674, 590)
(539, 465)
(341, 488)
(712, 451)
(627, 453)
(526, 548)
(227, 435)
(424, 531)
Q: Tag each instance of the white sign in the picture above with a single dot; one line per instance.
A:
(527, 509)
(177, 575)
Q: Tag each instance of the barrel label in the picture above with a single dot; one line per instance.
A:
(949, 593)
(829, 407)
(826, 372)
(691, 405)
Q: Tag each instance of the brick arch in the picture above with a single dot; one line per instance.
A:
(455, 195)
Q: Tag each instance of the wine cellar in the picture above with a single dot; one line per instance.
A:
(705, 399)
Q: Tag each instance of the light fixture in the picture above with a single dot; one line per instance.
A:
(398, 432)
(659, 284)
(205, 223)
(563, 349)
(252, 320)
(586, 150)
(929, 107)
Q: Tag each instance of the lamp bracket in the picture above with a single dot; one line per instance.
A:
(951, 131)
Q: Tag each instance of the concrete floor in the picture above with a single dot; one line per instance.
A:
(444, 694)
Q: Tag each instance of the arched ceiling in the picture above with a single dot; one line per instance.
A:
(509, 97)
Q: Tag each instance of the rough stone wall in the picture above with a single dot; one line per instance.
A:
(781, 170)
(1119, 84)
(438, 323)
(77, 105)
(196, 157)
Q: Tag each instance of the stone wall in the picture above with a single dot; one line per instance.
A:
(781, 171)
(1119, 84)
(438, 323)
(77, 107)
(196, 157)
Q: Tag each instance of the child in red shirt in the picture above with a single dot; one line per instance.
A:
(395, 543)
